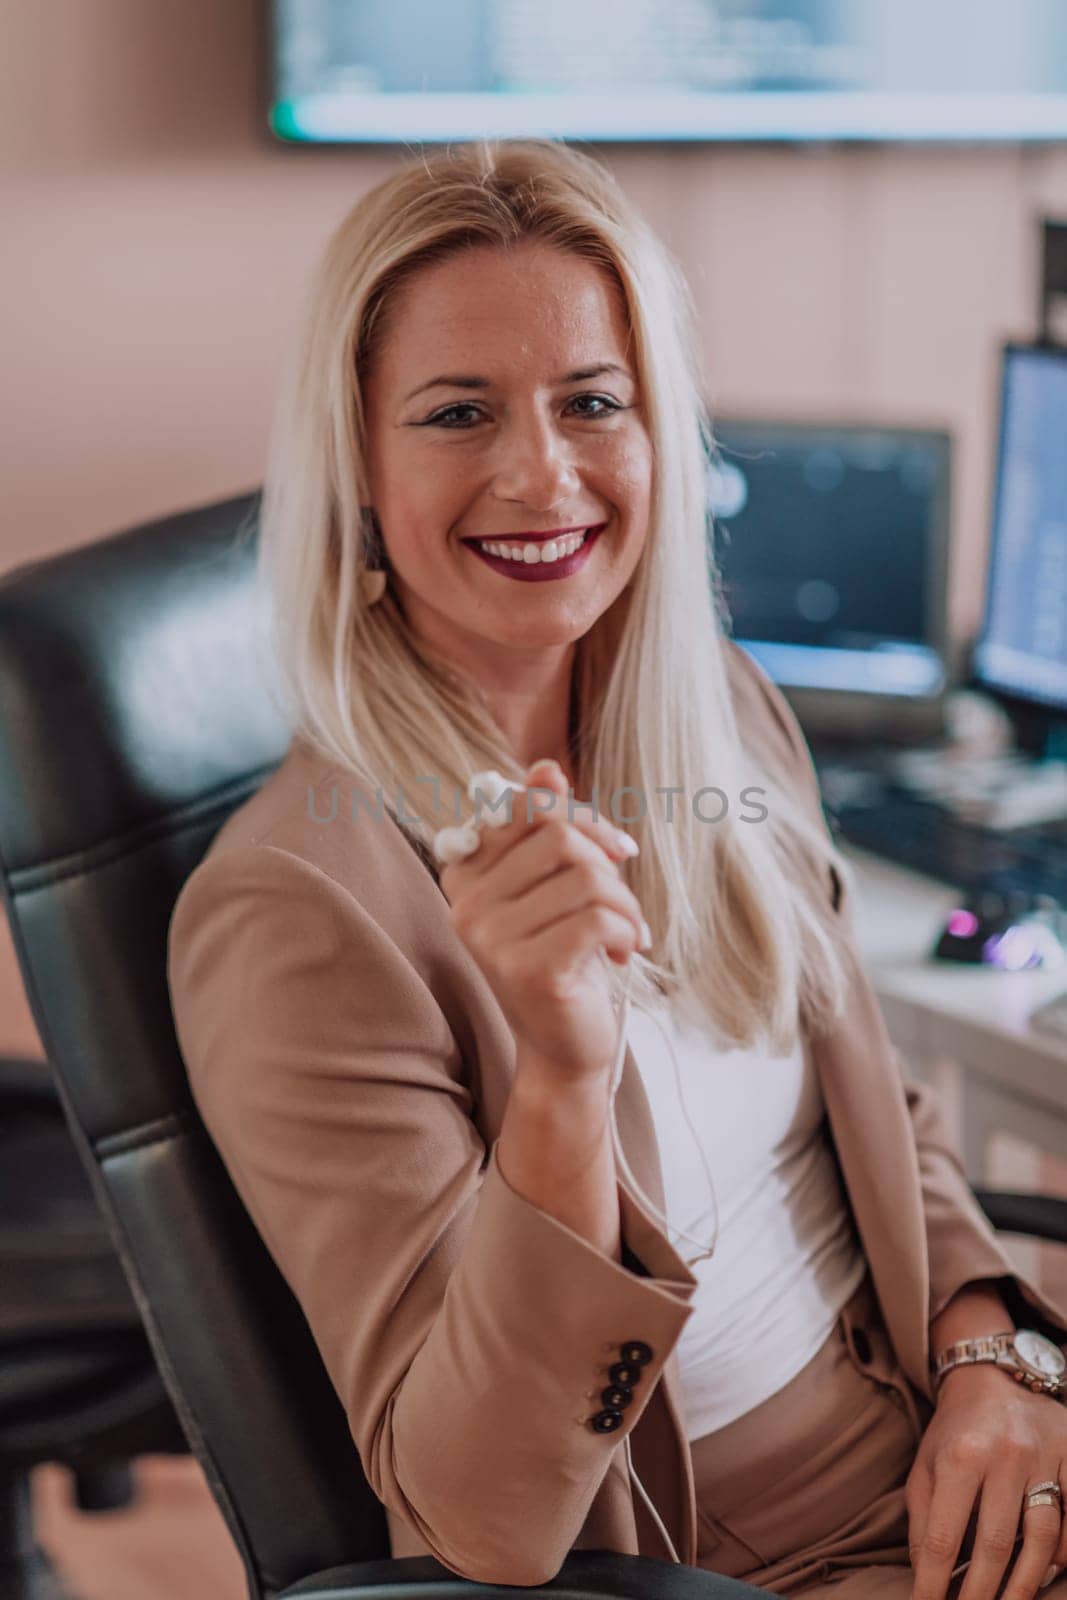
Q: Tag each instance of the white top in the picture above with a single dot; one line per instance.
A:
(788, 1257)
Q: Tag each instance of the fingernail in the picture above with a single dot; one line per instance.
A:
(646, 935)
(628, 845)
(1049, 1575)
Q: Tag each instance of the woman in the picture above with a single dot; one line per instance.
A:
(483, 537)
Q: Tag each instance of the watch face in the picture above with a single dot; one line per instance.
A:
(1039, 1353)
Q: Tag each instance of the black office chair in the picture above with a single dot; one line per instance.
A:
(133, 720)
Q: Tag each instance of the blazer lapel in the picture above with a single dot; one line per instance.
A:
(873, 1136)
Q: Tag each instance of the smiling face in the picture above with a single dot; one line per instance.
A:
(509, 447)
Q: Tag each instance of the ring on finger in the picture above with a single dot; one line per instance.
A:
(1048, 1493)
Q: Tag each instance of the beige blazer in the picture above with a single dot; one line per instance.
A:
(352, 1066)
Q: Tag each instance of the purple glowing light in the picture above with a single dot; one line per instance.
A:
(1015, 949)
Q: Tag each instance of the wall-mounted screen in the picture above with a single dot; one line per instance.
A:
(422, 71)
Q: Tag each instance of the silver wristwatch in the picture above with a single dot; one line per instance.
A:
(1028, 1356)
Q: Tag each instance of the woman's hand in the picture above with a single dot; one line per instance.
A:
(996, 1439)
(534, 905)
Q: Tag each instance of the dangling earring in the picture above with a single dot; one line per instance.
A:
(374, 575)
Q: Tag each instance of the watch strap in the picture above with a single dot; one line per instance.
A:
(966, 1352)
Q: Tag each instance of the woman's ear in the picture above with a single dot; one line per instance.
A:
(374, 570)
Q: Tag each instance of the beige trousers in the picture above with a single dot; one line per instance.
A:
(805, 1494)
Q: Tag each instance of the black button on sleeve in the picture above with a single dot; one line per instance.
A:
(624, 1372)
(637, 1351)
(606, 1421)
(617, 1395)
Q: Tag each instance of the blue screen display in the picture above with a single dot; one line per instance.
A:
(354, 71)
(829, 545)
(1023, 646)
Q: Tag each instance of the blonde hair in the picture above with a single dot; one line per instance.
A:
(740, 942)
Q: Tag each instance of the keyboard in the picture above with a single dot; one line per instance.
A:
(917, 833)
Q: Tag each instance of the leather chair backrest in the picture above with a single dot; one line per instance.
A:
(134, 717)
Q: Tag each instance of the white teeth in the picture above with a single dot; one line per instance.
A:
(553, 550)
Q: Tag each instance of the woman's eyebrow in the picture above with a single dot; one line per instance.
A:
(463, 381)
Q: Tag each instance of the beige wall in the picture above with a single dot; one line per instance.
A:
(155, 243)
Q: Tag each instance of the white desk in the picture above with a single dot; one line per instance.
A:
(965, 1029)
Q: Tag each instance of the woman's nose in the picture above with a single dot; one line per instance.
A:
(535, 465)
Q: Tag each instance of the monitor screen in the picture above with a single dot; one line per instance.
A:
(831, 548)
(1022, 648)
(403, 71)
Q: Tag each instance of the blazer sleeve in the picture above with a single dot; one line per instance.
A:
(962, 1246)
(464, 1329)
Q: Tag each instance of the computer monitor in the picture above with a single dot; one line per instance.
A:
(831, 543)
(1020, 655)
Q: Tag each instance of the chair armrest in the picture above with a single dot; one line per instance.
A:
(1043, 1216)
(585, 1575)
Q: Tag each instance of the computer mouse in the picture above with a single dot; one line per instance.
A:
(966, 934)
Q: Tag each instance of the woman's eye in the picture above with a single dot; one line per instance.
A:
(448, 411)
(601, 400)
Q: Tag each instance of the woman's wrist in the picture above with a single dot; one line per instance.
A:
(975, 1309)
(541, 1078)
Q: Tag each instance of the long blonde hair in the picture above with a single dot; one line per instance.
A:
(739, 941)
